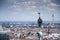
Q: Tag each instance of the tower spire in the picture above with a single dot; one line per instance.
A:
(39, 14)
(39, 21)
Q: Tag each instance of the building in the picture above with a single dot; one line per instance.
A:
(4, 36)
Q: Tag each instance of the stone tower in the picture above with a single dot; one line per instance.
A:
(39, 21)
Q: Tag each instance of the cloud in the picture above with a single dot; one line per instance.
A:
(46, 0)
(33, 5)
(53, 5)
(27, 5)
(28, 9)
(50, 6)
(56, 2)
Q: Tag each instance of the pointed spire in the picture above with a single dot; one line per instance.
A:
(39, 14)
(39, 21)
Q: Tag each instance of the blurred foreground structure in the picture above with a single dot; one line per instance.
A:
(4, 36)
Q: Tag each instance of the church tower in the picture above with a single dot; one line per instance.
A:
(39, 21)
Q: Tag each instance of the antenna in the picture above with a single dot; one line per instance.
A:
(52, 18)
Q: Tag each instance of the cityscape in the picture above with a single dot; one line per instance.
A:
(29, 20)
(28, 30)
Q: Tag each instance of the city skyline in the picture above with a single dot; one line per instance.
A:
(27, 10)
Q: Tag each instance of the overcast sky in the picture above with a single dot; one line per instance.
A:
(27, 10)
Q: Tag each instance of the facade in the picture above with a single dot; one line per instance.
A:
(4, 36)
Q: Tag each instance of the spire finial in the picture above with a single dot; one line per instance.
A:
(39, 14)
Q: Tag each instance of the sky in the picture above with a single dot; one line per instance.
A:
(27, 10)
